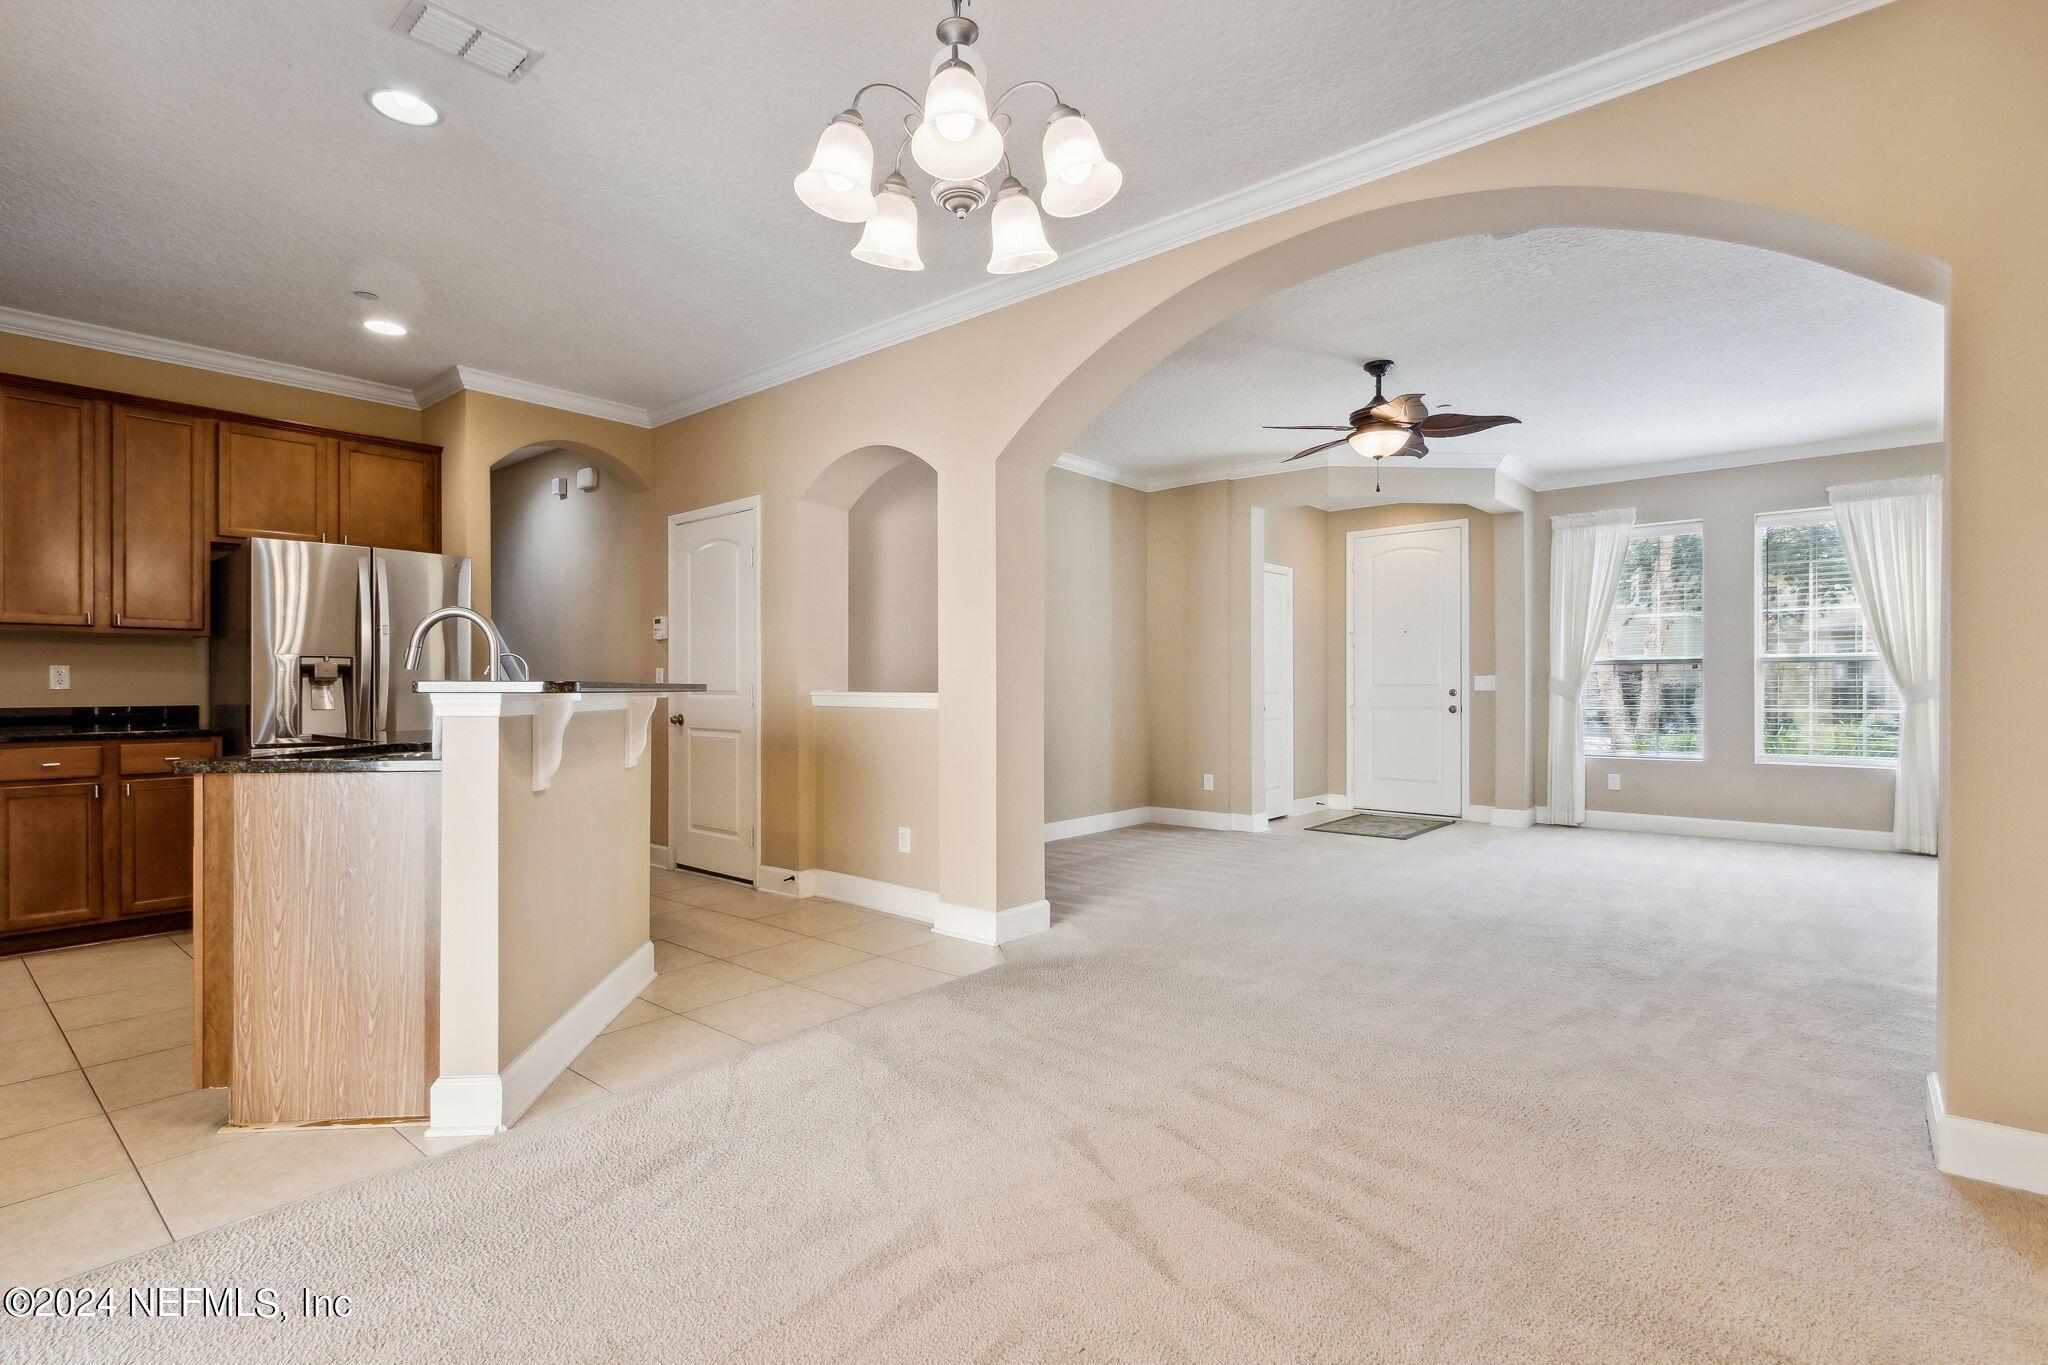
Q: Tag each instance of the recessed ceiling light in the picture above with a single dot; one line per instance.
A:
(384, 327)
(404, 108)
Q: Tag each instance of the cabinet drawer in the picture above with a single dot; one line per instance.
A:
(72, 760)
(157, 755)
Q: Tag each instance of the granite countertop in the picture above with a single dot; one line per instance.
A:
(101, 722)
(508, 687)
(10, 734)
(366, 758)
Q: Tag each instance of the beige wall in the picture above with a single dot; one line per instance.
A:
(1096, 695)
(877, 772)
(105, 671)
(892, 590)
(1728, 783)
(555, 594)
(1187, 646)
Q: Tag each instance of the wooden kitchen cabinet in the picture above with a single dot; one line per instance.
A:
(50, 862)
(160, 467)
(48, 508)
(274, 482)
(155, 845)
(111, 503)
(389, 497)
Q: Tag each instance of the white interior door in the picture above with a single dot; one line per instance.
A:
(1279, 690)
(1408, 685)
(714, 639)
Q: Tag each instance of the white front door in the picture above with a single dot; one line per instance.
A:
(1408, 686)
(714, 639)
(1279, 690)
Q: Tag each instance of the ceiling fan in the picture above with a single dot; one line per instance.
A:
(1395, 426)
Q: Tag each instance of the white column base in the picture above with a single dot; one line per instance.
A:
(992, 926)
(2014, 1157)
(466, 1106)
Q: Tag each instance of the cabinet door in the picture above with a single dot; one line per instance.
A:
(390, 498)
(46, 509)
(159, 465)
(49, 854)
(273, 482)
(156, 845)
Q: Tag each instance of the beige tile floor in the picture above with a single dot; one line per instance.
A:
(107, 1150)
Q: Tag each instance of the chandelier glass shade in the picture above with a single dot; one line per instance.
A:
(890, 238)
(956, 136)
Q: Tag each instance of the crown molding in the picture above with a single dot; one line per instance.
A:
(1095, 469)
(95, 337)
(1898, 438)
(457, 378)
(1741, 28)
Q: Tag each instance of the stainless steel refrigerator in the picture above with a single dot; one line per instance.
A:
(309, 643)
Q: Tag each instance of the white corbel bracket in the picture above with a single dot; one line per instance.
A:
(550, 718)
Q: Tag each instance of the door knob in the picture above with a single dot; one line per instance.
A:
(1453, 710)
(676, 719)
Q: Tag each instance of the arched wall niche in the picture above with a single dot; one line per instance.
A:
(868, 541)
(555, 588)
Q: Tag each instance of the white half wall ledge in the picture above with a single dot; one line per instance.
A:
(890, 701)
(992, 927)
(1991, 1152)
(1817, 836)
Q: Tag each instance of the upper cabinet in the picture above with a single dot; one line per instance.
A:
(48, 509)
(390, 497)
(274, 482)
(159, 471)
(110, 504)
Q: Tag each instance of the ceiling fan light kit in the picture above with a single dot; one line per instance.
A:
(958, 138)
(1394, 426)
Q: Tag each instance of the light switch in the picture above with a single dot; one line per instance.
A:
(1208, 782)
(1483, 682)
(903, 838)
(661, 627)
(1614, 782)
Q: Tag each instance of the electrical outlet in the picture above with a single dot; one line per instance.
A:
(903, 838)
(1614, 782)
(661, 675)
(1208, 782)
(60, 677)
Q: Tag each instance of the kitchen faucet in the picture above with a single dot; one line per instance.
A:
(476, 618)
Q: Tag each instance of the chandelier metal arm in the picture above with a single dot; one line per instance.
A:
(915, 103)
(1046, 85)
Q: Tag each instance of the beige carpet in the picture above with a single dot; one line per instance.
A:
(1487, 1096)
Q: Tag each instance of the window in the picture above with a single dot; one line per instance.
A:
(1642, 699)
(1824, 695)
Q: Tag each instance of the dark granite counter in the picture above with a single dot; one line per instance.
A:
(101, 722)
(366, 758)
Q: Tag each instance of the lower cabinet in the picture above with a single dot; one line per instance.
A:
(77, 854)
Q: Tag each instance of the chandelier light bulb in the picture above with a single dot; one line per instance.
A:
(836, 182)
(1377, 440)
(890, 238)
(1078, 177)
(1019, 233)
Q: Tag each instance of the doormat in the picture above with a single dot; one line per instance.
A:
(1382, 826)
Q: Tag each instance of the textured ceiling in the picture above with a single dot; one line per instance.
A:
(620, 223)
(1614, 348)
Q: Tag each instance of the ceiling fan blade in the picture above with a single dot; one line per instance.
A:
(1416, 446)
(1459, 424)
(1407, 409)
(1312, 450)
(1318, 428)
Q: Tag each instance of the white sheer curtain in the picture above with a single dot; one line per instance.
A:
(1891, 533)
(1586, 550)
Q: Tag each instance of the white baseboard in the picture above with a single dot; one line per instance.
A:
(1482, 815)
(1820, 836)
(1334, 801)
(466, 1106)
(992, 926)
(658, 855)
(777, 881)
(1189, 819)
(1305, 805)
(549, 1055)
(1991, 1152)
(1097, 824)
(1512, 819)
(869, 894)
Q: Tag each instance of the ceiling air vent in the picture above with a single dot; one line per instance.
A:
(446, 31)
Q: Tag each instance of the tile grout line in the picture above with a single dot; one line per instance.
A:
(134, 1167)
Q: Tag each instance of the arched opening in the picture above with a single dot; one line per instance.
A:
(564, 516)
(1249, 513)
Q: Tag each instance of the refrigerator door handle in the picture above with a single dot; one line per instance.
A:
(369, 677)
(382, 658)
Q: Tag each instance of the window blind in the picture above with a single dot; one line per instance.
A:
(1824, 695)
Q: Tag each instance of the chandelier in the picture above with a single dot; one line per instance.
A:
(958, 138)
